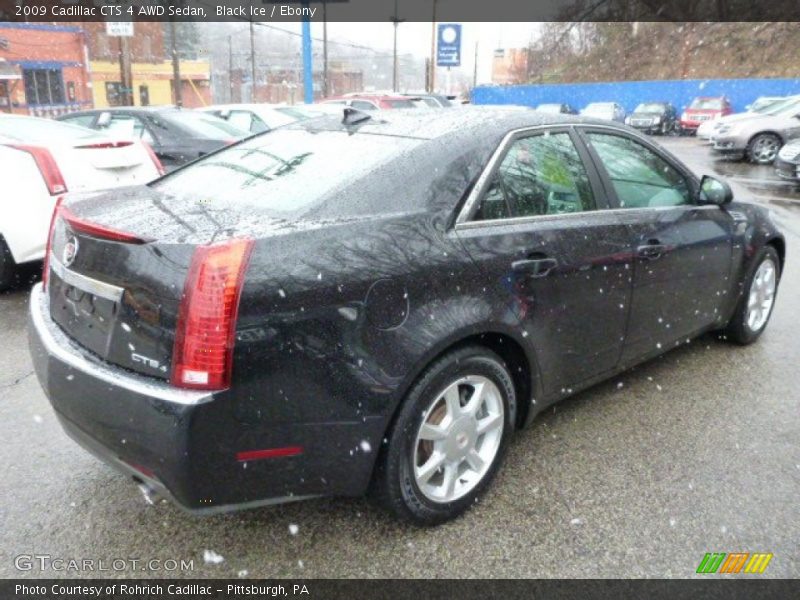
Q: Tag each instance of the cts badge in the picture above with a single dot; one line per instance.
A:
(70, 251)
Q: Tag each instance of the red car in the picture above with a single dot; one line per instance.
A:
(372, 101)
(704, 108)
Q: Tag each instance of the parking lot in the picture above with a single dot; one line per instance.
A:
(693, 452)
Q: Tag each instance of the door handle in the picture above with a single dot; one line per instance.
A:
(535, 267)
(651, 250)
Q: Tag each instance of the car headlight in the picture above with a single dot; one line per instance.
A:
(656, 120)
(627, 120)
(724, 129)
(685, 116)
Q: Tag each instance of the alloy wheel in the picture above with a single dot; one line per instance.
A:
(761, 296)
(458, 439)
(765, 148)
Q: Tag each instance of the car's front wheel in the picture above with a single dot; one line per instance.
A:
(757, 300)
(763, 148)
(449, 438)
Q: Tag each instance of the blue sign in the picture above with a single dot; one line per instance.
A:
(448, 45)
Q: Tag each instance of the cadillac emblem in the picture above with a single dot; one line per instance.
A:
(70, 251)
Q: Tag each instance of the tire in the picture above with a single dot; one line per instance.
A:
(8, 268)
(400, 483)
(763, 148)
(741, 329)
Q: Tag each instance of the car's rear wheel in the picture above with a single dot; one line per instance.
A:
(763, 148)
(8, 268)
(757, 300)
(449, 438)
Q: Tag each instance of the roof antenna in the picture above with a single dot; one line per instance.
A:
(353, 116)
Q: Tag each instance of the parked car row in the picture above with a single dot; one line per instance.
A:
(756, 136)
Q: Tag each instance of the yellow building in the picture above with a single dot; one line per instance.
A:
(152, 83)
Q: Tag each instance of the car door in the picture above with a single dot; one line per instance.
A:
(683, 249)
(548, 249)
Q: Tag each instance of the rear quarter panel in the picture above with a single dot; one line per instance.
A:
(26, 207)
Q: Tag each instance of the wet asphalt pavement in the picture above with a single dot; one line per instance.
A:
(694, 452)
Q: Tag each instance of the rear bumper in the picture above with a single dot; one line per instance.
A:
(183, 443)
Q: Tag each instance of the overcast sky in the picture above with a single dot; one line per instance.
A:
(415, 38)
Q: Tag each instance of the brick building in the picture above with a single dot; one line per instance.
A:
(151, 68)
(510, 66)
(43, 69)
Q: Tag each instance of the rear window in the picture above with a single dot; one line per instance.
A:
(203, 125)
(400, 103)
(31, 129)
(295, 173)
(707, 104)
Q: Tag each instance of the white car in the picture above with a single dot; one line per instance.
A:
(708, 129)
(257, 118)
(610, 111)
(42, 159)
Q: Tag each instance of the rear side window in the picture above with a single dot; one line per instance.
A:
(641, 178)
(539, 175)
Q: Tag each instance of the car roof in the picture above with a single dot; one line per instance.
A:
(133, 109)
(434, 124)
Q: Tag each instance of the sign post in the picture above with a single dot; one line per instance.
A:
(123, 30)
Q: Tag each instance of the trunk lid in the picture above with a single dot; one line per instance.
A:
(101, 163)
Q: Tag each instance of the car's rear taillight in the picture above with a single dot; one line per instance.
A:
(99, 231)
(53, 219)
(205, 334)
(47, 167)
(154, 158)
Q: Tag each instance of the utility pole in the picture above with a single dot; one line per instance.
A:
(432, 78)
(125, 72)
(176, 66)
(230, 69)
(475, 68)
(396, 22)
(252, 64)
(325, 49)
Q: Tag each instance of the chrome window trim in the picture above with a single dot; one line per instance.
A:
(584, 214)
(84, 283)
(470, 206)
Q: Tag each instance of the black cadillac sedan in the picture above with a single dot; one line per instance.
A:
(376, 303)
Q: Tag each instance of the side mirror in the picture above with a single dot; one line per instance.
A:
(714, 191)
(104, 120)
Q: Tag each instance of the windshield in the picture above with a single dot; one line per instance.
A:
(31, 129)
(650, 107)
(783, 107)
(707, 104)
(202, 125)
(290, 174)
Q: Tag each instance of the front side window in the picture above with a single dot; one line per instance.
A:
(539, 175)
(641, 178)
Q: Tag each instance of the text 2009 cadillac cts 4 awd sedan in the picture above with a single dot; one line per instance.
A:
(376, 304)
